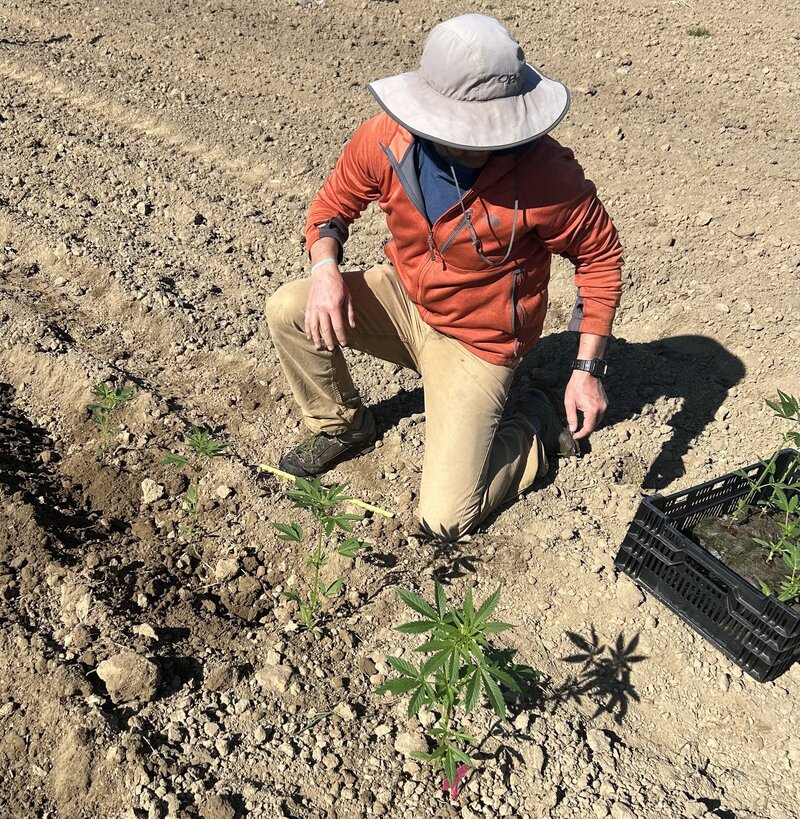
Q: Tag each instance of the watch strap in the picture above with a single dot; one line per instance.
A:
(594, 366)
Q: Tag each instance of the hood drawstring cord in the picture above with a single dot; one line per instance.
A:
(476, 242)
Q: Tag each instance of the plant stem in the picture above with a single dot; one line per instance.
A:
(317, 568)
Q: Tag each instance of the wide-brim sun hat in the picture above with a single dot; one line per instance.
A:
(473, 89)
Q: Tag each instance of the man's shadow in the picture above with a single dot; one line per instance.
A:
(696, 369)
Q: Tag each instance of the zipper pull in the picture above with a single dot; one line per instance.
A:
(430, 245)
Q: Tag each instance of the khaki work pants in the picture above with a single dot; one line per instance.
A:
(474, 458)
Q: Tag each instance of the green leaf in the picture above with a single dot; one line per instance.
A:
(441, 599)
(433, 645)
(495, 627)
(469, 609)
(398, 687)
(462, 757)
(489, 605)
(417, 603)
(504, 677)
(292, 596)
(173, 459)
(421, 755)
(417, 701)
(351, 547)
(765, 589)
(333, 588)
(403, 667)
(192, 495)
(494, 695)
(450, 767)
(290, 532)
(416, 627)
(473, 691)
(433, 664)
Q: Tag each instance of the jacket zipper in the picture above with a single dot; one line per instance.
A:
(463, 222)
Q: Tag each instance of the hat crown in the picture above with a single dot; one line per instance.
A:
(472, 58)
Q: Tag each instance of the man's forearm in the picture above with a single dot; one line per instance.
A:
(325, 247)
(591, 346)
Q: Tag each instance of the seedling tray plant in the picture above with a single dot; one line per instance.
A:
(755, 623)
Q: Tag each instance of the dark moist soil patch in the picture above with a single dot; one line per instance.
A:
(735, 546)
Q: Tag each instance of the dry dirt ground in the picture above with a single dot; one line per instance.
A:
(156, 160)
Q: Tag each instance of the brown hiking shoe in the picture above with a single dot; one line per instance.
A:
(540, 409)
(322, 451)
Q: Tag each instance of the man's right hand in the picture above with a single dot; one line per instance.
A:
(329, 309)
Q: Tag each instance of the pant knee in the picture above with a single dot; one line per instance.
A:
(447, 528)
(287, 305)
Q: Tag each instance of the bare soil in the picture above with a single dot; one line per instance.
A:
(156, 161)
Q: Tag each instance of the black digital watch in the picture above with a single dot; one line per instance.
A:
(594, 366)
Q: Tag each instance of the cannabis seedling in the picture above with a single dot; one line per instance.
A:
(462, 666)
(109, 398)
(779, 495)
(322, 502)
(203, 449)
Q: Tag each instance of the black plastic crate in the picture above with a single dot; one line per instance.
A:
(760, 634)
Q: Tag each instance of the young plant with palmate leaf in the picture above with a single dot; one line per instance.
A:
(462, 667)
(778, 495)
(203, 449)
(323, 503)
(108, 400)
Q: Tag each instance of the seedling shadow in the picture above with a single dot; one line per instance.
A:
(457, 562)
(604, 675)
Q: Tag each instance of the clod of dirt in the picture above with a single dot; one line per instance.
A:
(129, 677)
(221, 678)
(217, 807)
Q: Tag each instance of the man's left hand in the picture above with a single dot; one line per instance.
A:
(584, 394)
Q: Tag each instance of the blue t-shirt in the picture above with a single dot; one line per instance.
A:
(439, 191)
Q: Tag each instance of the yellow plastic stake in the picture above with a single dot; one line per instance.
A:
(355, 501)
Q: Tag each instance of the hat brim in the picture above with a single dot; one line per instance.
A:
(486, 125)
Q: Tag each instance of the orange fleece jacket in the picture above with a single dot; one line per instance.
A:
(539, 196)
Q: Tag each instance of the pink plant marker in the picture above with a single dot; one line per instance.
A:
(460, 774)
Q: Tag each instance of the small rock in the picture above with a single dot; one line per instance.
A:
(538, 759)
(344, 711)
(702, 219)
(724, 682)
(274, 678)
(151, 491)
(721, 307)
(226, 569)
(146, 630)
(620, 811)
(224, 491)
(129, 677)
(408, 743)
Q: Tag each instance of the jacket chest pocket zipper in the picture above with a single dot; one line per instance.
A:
(464, 221)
